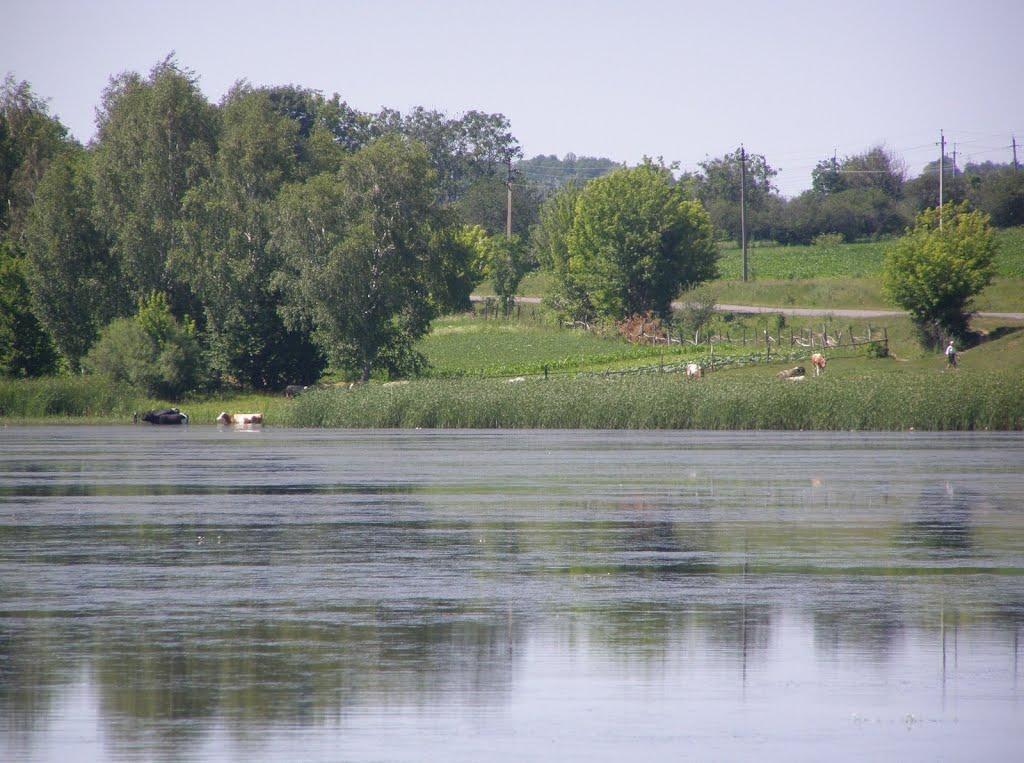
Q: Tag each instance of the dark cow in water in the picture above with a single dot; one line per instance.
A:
(165, 416)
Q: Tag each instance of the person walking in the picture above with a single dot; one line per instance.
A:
(951, 355)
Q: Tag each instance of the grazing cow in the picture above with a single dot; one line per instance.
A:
(294, 389)
(240, 419)
(693, 371)
(818, 361)
(791, 373)
(165, 416)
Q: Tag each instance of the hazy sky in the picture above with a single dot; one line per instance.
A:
(790, 79)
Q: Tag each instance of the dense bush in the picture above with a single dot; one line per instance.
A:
(151, 352)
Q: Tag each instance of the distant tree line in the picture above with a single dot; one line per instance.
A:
(251, 242)
(863, 196)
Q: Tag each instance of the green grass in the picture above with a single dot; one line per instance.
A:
(874, 398)
(471, 346)
(857, 260)
(86, 399)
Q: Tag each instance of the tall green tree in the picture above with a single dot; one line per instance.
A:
(549, 244)
(369, 258)
(934, 272)
(154, 142)
(635, 242)
(1000, 193)
(74, 280)
(224, 253)
(461, 149)
(485, 203)
(25, 347)
(29, 139)
(718, 184)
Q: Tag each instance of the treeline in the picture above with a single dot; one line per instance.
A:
(246, 243)
(858, 197)
(253, 242)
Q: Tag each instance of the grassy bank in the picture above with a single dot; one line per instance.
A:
(93, 400)
(871, 400)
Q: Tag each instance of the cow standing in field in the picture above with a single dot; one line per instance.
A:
(693, 371)
(818, 361)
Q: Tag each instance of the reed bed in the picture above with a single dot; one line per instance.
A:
(64, 396)
(868, 401)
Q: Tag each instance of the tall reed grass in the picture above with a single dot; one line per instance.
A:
(870, 401)
(78, 396)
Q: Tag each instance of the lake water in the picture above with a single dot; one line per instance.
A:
(203, 594)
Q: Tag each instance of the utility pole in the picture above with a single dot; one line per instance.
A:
(942, 156)
(743, 207)
(954, 159)
(1015, 166)
(508, 183)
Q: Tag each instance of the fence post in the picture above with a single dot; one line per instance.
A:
(885, 337)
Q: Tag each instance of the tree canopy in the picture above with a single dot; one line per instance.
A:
(369, 257)
(632, 242)
(936, 269)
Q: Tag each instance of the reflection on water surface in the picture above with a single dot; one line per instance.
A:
(210, 594)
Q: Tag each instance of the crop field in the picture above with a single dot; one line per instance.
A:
(857, 260)
(471, 346)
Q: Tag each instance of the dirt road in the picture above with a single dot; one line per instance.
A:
(835, 312)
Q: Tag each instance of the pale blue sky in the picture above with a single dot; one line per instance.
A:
(793, 80)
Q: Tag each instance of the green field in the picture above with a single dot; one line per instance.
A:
(857, 260)
(472, 346)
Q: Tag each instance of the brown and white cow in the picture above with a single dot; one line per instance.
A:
(240, 418)
(818, 361)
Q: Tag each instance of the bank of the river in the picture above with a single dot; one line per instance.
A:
(600, 383)
(871, 399)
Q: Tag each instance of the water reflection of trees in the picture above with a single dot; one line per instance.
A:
(162, 683)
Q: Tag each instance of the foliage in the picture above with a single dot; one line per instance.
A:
(29, 140)
(1001, 195)
(75, 283)
(501, 260)
(25, 347)
(155, 137)
(368, 257)
(718, 187)
(634, 242)
(224, 254)
(934, 272)
(485, 203)
(152, 352)
(461, 150)
(65, 396)
(549, 173)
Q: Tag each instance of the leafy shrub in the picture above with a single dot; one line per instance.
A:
(151, 351)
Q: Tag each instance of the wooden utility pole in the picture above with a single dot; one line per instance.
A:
(743, 208)
(1015, 165)
(508, 183)
(942, 158)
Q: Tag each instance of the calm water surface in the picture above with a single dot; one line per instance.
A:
(195, 593)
